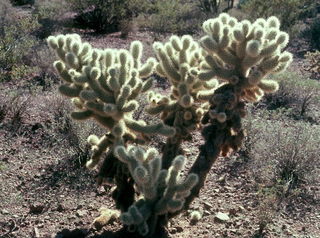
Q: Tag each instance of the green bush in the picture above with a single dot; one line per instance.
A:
(48, 13)
(213, 7)
(22, 2)
(101, 15)
(16, 34)
(288, 11)
(172, 16)
(314, 32)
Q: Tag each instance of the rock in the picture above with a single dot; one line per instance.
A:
(36, 233)
(233, 212)
(36, 208)
(222, 179)
(206, 213)
(221, 217)
(241, 209)
(228, 188)
(173, 230)
(5, 212)
(101, 191)
(81, 213)
(5, 159)
(60, 208)
(106, 216)
(179, 229)
(207, 205)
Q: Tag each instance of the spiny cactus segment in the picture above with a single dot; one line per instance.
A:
(104, 85)
(161, 191)
(244, 53)
(179, 61)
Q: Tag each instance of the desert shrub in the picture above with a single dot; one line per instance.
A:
(101, 15)
(22, 2)
(266, 211)
(313, 66)
(16, 40)
(213, 7)
(296, 93)
(172, 16)
(288, 11)
(48, 13)
(314, 32)
(43, 73)
(285, 152)
(60, 130)
(13, 110)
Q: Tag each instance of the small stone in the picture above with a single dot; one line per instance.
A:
(221, 217)
(241, 209)
(222, 179)
(81, 213)
(36, 208)
(207, 205)
(173, 230)
(101, 191)
(233, 212)
(228, 188)
(5, 212)
(106, 216)
(5, 159)
(36, 233)
(187, 151)
(60, 208)
(179, 229)
(206, 213)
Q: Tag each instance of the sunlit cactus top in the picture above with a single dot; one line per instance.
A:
(104, 85)
(244, 53)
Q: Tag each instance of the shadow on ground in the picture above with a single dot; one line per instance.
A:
(78, 233)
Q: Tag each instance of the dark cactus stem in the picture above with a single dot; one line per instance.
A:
(124, 193)
(157, 225)
(221, 137)
(209, 153)
(170, 150)
(112, 170)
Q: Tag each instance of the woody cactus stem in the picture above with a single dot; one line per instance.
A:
(221, 137)
(241, 54)
(115, 172)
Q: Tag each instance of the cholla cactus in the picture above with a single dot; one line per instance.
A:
(161, 191)
(210, 83)
(179, 61)
(243, 54)
(240, 54)
(104, 85)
